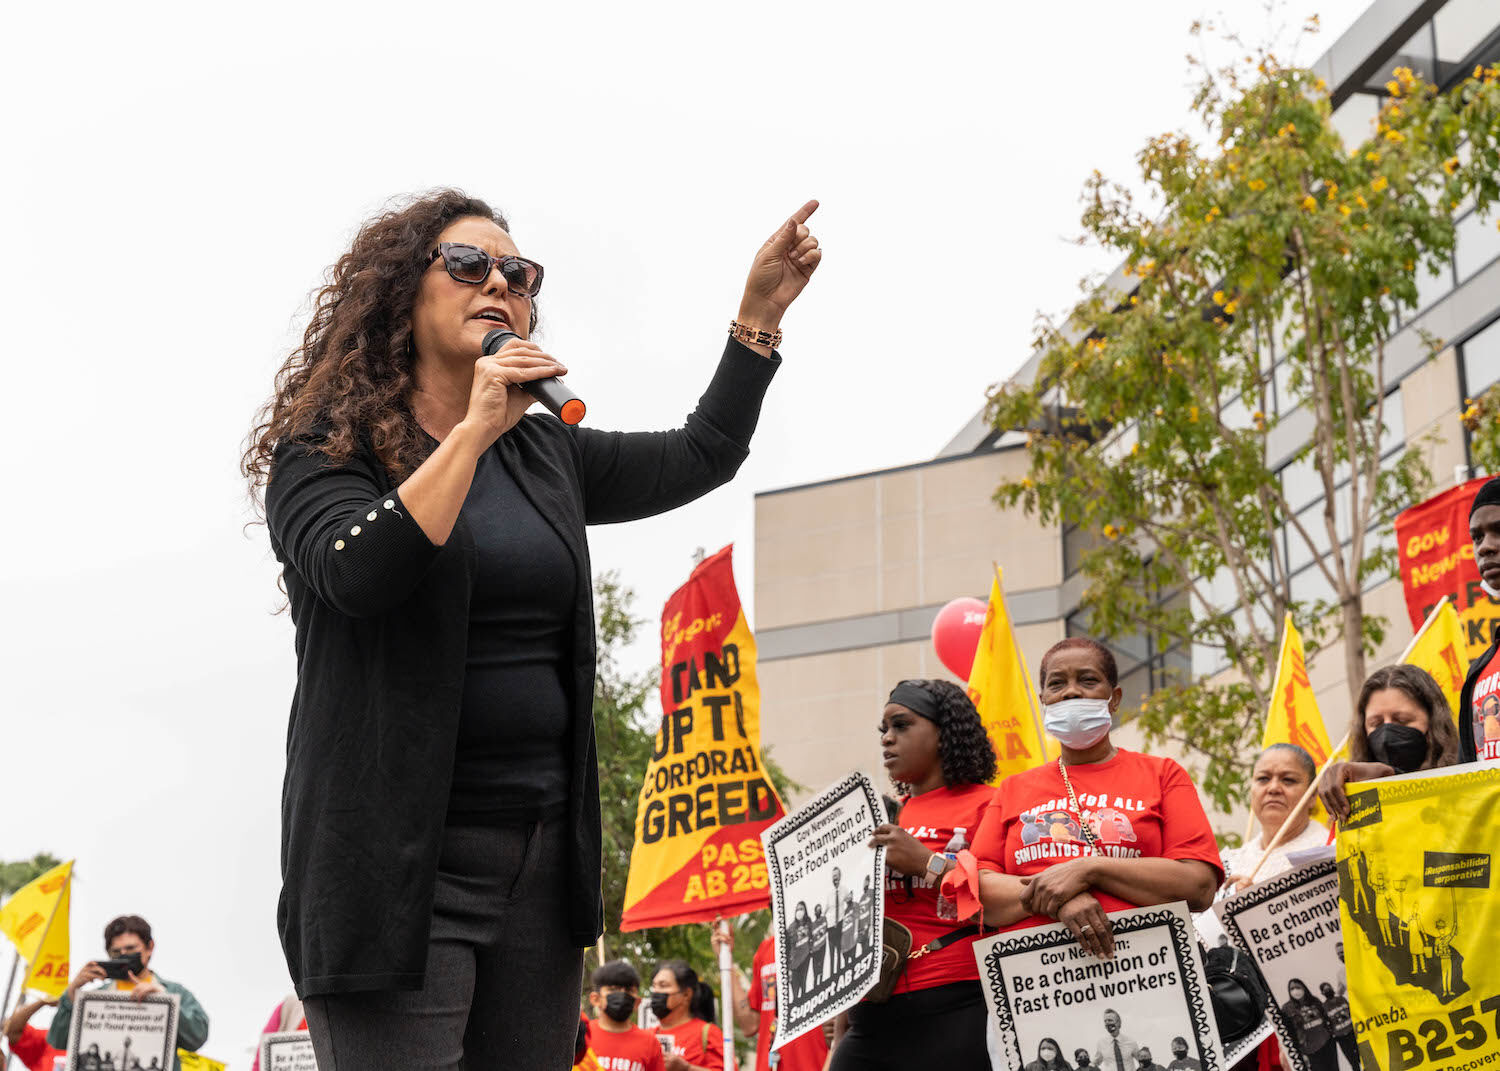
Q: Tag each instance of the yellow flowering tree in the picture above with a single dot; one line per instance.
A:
(1151, 420)
(1481, 419)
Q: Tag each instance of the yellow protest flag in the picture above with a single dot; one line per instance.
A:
(1439, 648)
(35, 920)
(49, 971)
(196, 1061)
(1002, 692)
(1419, 917)
(1294, 717)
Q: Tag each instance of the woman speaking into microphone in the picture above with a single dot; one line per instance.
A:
(440, 812)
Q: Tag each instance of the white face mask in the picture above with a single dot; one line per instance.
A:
(1077, 723)
(1493, 593)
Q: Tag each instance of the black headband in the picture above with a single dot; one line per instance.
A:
(915, 698)
(1489, 495)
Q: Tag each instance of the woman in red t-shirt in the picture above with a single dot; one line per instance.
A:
(684, 1007)
(1102, 829)
(939, 757)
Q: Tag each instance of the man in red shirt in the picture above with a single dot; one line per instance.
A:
(28, 1043)
(614, 1039)
(755, 1013)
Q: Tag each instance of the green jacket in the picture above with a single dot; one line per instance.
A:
(192, 1021)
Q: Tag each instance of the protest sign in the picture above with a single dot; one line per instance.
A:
(827, 904)
(1290, 926)
(288, 1051)
(1436, 557)
(114, 1030)
(706, 798)
(1212, 934)
(1419, 918)
(1136, 1012)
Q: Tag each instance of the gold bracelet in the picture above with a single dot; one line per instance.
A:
(753, 336)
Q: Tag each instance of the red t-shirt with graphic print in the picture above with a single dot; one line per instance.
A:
(701, 1044)
(1138, 807)
(1486, 711)
(932, 818)
(629, 1050)
(808, 1052)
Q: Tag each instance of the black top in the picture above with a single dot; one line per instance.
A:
(513, 734)
(382, 629)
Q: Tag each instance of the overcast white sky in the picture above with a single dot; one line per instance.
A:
(180, 176)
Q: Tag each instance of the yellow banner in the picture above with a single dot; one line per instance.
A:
(35, 920)
(194, 1061)
(1420, 917)
(1294, 716)
(1002, 692)
(705, 798)
(49, 972)
(1440, 649)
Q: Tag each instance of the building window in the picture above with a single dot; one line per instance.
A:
(1477, 242)
(1481, 360)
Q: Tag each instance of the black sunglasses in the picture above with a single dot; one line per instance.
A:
(472, 265)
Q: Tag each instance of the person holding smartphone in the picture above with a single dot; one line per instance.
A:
(128, 944)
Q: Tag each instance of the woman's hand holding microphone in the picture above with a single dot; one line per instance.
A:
(496, 400)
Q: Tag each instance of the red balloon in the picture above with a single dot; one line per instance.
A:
(955, 634)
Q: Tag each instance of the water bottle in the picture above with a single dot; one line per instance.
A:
(946, 908)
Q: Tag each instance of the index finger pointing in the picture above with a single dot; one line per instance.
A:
(800, 216)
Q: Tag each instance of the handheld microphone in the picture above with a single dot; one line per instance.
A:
(551, 392)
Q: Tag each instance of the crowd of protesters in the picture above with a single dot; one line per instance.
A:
(940, 760)
(125, 968)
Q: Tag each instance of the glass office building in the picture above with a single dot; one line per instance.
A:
(850, 572)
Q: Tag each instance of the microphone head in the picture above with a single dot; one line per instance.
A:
(493, 340)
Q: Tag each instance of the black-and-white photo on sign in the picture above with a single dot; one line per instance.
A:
(1212, 934)
(113, 1031)
(1145, 1010)
(288, 1051)
(1290, 925)
(827, 904)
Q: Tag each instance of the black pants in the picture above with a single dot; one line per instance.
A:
(502, 979)
(939, 1027)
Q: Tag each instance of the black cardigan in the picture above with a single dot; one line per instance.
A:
(1468, 748)
(381, 618)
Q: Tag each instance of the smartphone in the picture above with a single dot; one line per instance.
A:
(121, 969)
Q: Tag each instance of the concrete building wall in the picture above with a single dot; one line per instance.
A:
(848, 577)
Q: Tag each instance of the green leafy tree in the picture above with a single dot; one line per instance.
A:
(1481, 418)
(24, 871)
(625, 725)
(1150, 417)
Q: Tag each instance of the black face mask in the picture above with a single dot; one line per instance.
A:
(659, 1005)
(1400, 747)
(619, 1006)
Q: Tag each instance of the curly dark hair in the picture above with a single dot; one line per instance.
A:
(352, 375)
(1418, 686)
(964, 748)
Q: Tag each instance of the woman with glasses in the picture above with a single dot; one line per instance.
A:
(440, 834)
